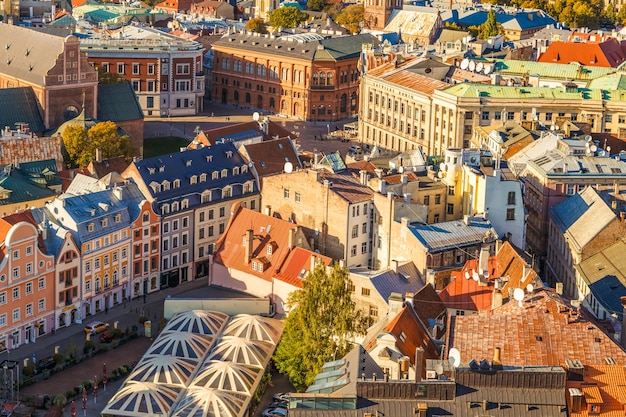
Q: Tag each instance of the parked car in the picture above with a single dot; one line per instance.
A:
(110, 334)
(281, 396)
(275, 412)
(42, 365)
(96, 327)
(355, 150)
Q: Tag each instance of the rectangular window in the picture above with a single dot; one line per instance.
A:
(41, 283)
(120, 68)
(221, 227)
(426, 200)
(484, 115)
(297, 197)
(286, 193)
(149, 102)
(182, 69)
(16, 314)
(29, 288)
(29, 309)
(222, 211)
(364, 247)
(510, 214)
(3, 297)
(150, 69)
(353, 250)
(437, 198)
(355, 231)
(365, 292)
(41, 304)
(135, 68)
(450, 208)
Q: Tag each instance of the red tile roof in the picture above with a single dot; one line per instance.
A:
(397, 178)
(281, 263)
(11, 220)
(269, 157)
(208, 137)
(362, 166)
(609, 53)
(410, 334)
(513, 267)
(297, 265)
(604, 385)
(346, 184)
(466, 294)
(544, 331)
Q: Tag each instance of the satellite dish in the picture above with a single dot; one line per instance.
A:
(288, 168)
(530, 288)
(439, 369)
(608, 149)
(255, 116)
(467, 275)
(488, 69)
(476, 276)
(593, 148)
(464, 64)
(479, 67)
(454, 357)
(472, 66)
(518, 295)
(588, 138)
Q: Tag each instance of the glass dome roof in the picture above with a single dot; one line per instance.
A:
(242, 351)
(198, 321)
(164, 369)
(142, 398)
(227, 376)
(204, 402)
(254, 328)
(181, 344)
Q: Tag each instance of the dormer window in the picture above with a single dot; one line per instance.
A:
(215, 175)
(175, 206)
(104, 222)
(224, 173)
(226, 192)
(177, 183)
(229, 154)
(244, 169)
(236, 171)
(202, 177)
(188, 162)
(156, 187)
(165, 208)
(166, 185)
(193, 179)
(209, 158)
(162, 168)
(206, 197)
(184, 204)
(90, 227)
(117, 218)
(151, 171)
(269, 250)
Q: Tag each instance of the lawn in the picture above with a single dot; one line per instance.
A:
(163, 145)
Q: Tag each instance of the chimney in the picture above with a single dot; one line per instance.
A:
(313, 262)
(98, 155)
(409, 298)
(390, 195)
(404, 221)
(466, 219)
(316, 159)
(498, 245)
(497, 299)
(379, 172)
(407, 197)
(483, 261)
(292, 238)
(623, 339)
(576, 400)
(497, 359)
(117, 193)
(394, 265)
(422, 410)
(268, 210)
(363, 177)
(420, 362)
(383, 186)
(404, 178)
(247, 243)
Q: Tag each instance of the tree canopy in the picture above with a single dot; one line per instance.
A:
(81, 143)
(351, 17)
(257, 25)
(287, 17)
(317, 5)
(322, 319)
(109, 77)
(490, 27)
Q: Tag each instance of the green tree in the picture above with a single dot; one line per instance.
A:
(287, 17)
(257, 25)
(490, 27)
(81, 144)
(351, 18)
(317, 5)
(621, 16)
(322, 319)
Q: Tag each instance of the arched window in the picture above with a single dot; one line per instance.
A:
(236, 95)
(248, 98)
(315, 80)
(322, 78)
(353, 100)
(329, 78)
(272, 103)
(343, 104)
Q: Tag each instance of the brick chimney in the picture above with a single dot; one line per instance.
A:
(420, 364)
(247, 244)
(292, 238)
(497, 358)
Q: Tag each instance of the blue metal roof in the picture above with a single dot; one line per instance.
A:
(608, 291)
(442, 236)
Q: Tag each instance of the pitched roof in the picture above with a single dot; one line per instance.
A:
(548, 70)
(605, 54)
(605, 275)
(269, 157)
(410, 334)
(251, 129)
(582, 216)
(412, 23)
(20, 105)
(101, 168)
(346, 184)
(17, 186)
(362, 165)
(441, 236)
(544, 331)
(512, 266)
(118, 103)
(267, 230)
(297, 265)
(427, 303)
(602, 384)
(26, 149)
(406, 280)
(31, 57)
(465, 293)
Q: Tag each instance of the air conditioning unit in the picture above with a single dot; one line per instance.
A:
(431, 375)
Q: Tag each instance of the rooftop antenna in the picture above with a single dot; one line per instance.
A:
(518, 295)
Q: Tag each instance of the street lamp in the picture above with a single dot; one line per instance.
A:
(328, 128)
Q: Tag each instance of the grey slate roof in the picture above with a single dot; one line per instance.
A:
(183, 165)
(20, 105)
(118, 102)
(30, 54)
(406, 280)
(442, 236)
(334, 49)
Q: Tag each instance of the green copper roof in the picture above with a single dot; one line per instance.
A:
(511, 92)
(118, 102)
(609, 82)
(566, 72)
(15, 187)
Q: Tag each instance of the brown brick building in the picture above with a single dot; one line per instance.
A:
(53, 67)
(301, 75)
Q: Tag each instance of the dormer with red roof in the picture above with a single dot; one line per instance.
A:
(262, 255)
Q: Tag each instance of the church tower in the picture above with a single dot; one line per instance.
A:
(377, 13)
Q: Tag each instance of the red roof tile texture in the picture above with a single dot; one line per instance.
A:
(609, 54)
(467, 294)
(604, 385)
(544, 331)
(410, 334)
